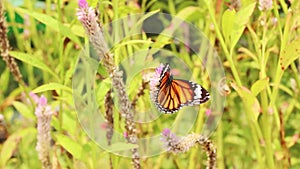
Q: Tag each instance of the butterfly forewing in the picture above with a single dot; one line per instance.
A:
(173, 94)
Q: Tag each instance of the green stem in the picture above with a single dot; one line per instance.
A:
(62, 70)
(257, 148)
(266, 118)
(220, 154)
(279, 71)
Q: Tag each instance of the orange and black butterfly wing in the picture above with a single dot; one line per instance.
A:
(165, 100)
(174, 94)
(190, 93)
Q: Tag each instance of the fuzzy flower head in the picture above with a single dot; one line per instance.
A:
(154, 80)
(43, 109)
(170, 140)
(265, 5)
(82, 4)
(87, 16)
(43, 112)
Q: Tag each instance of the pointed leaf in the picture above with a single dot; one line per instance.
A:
(249, 100)
(259, 85)
(241, 19)
(228, 19)
(10, 145)
(33, 61)
(51, 86)
(52, 23)
(70, 145)
(23, 109)
(290, 54)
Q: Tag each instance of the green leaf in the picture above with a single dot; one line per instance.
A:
(4, 79)
(102, 88)
(228, 18)
(235, 140)
(33, 61)
(259, 85)
(70, 122)
(70, 145)
(24, 110)
(290, 54)
(233, 24)
(11, 144)
(250, 101)
(51, 86)
(241, 19)
(52, 23)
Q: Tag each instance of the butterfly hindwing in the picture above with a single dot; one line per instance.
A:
(173, 94)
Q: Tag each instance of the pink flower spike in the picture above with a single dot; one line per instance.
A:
(82, 4)
(159, 69)
(34, 97)
(208, 112)
(166, 132)
(43, 101)
(103, 125)
(125, 134)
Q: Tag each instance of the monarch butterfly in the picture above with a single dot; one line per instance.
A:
(173, 94)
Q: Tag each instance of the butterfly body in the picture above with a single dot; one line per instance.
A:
(173, 94)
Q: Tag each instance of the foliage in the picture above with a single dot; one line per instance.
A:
(259, 50)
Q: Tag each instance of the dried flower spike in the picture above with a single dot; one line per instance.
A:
(9, 60)
(173, 144)
(109, 116)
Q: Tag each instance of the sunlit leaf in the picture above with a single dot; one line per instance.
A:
(235, 140)
(70, 145)
(10, 145)
(51, 22)
(33, 61)
(259, 85)
(234, 23)
(23, 109)
(249, 100)
(290, 54)
(228, 19)
(70, 121)
(241, 19)
(4, 79)
(101, 90)
(51, 86)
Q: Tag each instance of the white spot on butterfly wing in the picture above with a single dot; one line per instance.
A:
(198, 92)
